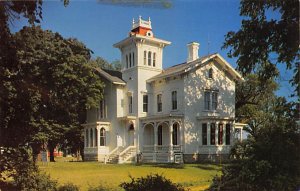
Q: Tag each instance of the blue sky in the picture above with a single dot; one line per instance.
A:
(99, 26)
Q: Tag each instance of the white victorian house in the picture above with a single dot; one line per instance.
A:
(183, 113)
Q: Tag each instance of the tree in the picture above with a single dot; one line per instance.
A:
(268, 159)
(262, 37)
(101, 63)
(65, 85)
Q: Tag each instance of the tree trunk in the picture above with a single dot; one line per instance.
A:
(51, 148)
(82, 154)
(36, 149)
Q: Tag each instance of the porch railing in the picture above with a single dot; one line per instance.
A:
(161, 148)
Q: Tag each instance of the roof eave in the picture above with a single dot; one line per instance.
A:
(140, 37)
(232, 71)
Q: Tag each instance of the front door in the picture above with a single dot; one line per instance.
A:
(119, 141)
(131, 137)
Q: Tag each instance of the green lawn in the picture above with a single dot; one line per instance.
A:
(85, 174)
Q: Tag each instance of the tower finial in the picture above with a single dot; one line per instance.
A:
(140, 17)
(149, 19)
(132, 20)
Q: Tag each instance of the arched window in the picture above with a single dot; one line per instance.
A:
(159, 135)
(96, 137)
(102, 137)
(126, 61)
(149, 58)
(91, 138)
(175, 134)
(145, 57)
(154, 59)
(86, 138)
(210, 73)
(133, 59)
(129, 60)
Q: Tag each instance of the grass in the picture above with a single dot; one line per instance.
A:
(92, 174)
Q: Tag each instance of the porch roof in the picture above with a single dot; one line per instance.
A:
(153, 117)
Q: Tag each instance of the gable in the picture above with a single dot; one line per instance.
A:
(186, 68)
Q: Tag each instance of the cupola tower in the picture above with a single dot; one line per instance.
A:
(141, 56)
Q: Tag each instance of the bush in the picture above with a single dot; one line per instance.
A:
(100, 188)
(68, 187)
(151, 183)
(35, 181)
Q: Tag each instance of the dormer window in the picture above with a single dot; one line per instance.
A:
(210, 73)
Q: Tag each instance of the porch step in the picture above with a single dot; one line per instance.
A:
(128, 155)
(114, 157)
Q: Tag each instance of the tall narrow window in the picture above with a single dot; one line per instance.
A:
(220, 135)
(145, 103)
(96, 137)
(214, 100)
(130, 104)
(227, 134)
(102, 110)
(159, 135)
(87, 138)
(126, 61)
(159, 103)
(174, 100)
(210, 73)
(206, 100)
(130, 60)
(175, 134)
(212, 133)
(91, 138)
(149, 58)
(133, 59)
(204, 133)
(154, 59)
(145, 57)
(102, 137)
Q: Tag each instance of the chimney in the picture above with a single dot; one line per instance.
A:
(193, 48)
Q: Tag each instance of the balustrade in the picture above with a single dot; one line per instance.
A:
(161, 148)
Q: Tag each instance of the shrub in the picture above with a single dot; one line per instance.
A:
(151, 183)
(100, 188)
(35, 181)
(68, 187)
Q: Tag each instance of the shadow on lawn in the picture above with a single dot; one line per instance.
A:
(171, 166)
(207, 166)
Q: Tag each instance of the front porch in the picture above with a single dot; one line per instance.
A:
(162, 140)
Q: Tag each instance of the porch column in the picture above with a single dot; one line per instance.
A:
(89, 137)
(98, 142)
(155, 142)
(171, 157)
(171, 135)
(208, 133)
(217, 133)
(231, 133)
(241, 131)
(98, 136)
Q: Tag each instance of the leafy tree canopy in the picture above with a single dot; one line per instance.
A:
(102, 63)
(261, 38)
